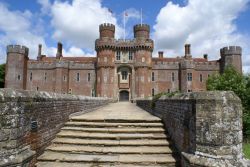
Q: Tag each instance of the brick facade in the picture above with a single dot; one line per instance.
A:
(120, 66)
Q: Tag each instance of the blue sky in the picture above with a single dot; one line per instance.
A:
(207, 25)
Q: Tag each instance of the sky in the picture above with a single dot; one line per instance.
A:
(206, 25)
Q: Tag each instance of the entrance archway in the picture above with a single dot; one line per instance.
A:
(124, 95)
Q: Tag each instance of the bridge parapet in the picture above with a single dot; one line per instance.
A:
(206, 127)
(29, 120)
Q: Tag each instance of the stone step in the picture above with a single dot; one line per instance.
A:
(122, 158)
(116, 120)
(79, 164)
(110, 149)
(117, 136)
(137, 142)
(106, 124)
(116, 130)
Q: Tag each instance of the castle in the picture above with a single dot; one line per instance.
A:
(122, 69)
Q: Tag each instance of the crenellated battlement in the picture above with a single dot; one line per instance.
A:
(231, 50)
(107, 26)
(17, 49)
(113, 44)
(141, 27)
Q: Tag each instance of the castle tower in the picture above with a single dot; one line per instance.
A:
(231, 56)
(141, 31)
(143, 60)
(16, 67)
(187, 71)
(104, 47)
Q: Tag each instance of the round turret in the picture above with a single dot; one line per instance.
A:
(17, 49)
(141, 31)
(231, 50)
(107, 30)
(231, 56)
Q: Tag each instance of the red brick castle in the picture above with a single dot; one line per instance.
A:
(122, 69)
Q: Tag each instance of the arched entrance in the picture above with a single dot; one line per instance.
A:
(124, 95)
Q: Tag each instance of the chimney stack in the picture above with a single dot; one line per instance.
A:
(39, 56)
(59, 50)
(160, 53)
(205, 56)
(187, 50)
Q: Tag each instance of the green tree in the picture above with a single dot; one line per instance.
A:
(2, 75)
(231, 80)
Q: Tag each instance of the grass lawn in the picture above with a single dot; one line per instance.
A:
(246, 150)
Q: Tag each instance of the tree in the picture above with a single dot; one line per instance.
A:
(231, 80)
(2, 75)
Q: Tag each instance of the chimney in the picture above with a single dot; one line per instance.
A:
(187, 50)
(160, 53)
(39, 56)
(59, 50)
(205, 56)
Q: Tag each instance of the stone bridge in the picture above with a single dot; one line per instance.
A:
(47, 129)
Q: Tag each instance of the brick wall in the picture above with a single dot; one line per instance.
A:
(206, 127)
(18, 109)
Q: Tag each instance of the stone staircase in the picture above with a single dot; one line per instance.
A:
(110, 142)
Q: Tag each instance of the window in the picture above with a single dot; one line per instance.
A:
(93, 92)
(201, 79)
(19, 77)
(189, 77)
(153, 76)
(208, 75)
(172, 77)
(118, 55)
(124, 75)
(78, 77)
(45, 76)
(88, 77)
(130, 56)
(143, 59)
(64, 78)
(105, 79)
(153, 92)
(31, 76)
(142, 78)
(37, 88)
(70, 91)
(168, 90)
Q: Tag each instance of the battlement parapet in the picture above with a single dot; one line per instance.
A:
(141, 27)
(231, 50)
(120, 44)
(166, 66)
(107, 26)
(17, 49)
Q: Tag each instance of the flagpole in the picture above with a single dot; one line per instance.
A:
(124, 25)
(141, 16)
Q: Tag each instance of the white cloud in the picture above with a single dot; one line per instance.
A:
(45, 9)
(78, 22)
(16, 28)
(207, 25)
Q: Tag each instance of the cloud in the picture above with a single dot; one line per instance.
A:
(45, 9)
(16, 28)
(207, 25)
(78, 22)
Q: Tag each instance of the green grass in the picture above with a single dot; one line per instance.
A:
(246, 150)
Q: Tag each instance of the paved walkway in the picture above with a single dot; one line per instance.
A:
(121, 110)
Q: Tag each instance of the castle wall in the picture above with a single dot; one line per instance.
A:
(31, 119)
(206, 127)
(38, 81)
